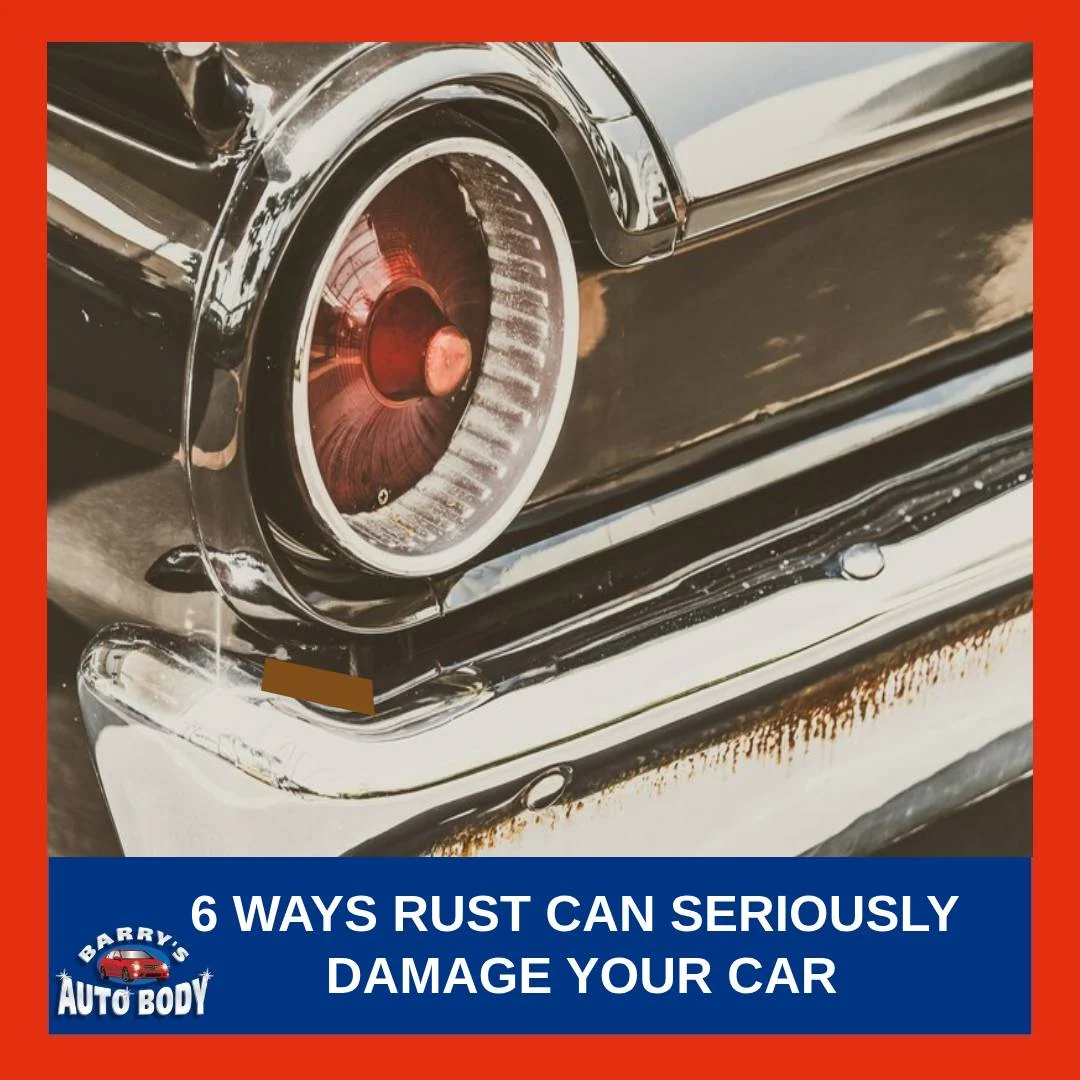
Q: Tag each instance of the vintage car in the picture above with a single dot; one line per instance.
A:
(651, 422)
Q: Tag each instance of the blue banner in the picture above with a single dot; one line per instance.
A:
(426, 946)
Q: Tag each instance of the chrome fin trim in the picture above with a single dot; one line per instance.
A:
(496, 575)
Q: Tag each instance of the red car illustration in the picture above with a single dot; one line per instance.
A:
(132, 964)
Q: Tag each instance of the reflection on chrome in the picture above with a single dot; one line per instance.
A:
(82, 210)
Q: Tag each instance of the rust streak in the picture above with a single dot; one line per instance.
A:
(782, 729)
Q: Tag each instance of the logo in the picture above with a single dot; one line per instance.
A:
(134, 970)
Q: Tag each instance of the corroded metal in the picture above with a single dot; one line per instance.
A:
(796, 740)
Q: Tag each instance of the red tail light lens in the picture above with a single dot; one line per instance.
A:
(403, 312)
(436, 357)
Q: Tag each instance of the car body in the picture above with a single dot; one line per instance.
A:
(131, 965)
(761, 582)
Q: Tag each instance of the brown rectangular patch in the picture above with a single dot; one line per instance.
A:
(323, 687)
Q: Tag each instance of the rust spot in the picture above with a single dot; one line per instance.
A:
(778, 731)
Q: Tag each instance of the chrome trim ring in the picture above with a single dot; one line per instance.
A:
(361, 96)
(516, 409)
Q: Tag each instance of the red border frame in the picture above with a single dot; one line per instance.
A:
(24, 897)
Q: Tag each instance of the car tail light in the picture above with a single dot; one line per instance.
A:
(435, 357)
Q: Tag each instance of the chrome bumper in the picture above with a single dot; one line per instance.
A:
(825, 687)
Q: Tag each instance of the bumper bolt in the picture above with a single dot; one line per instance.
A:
(861, 562)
